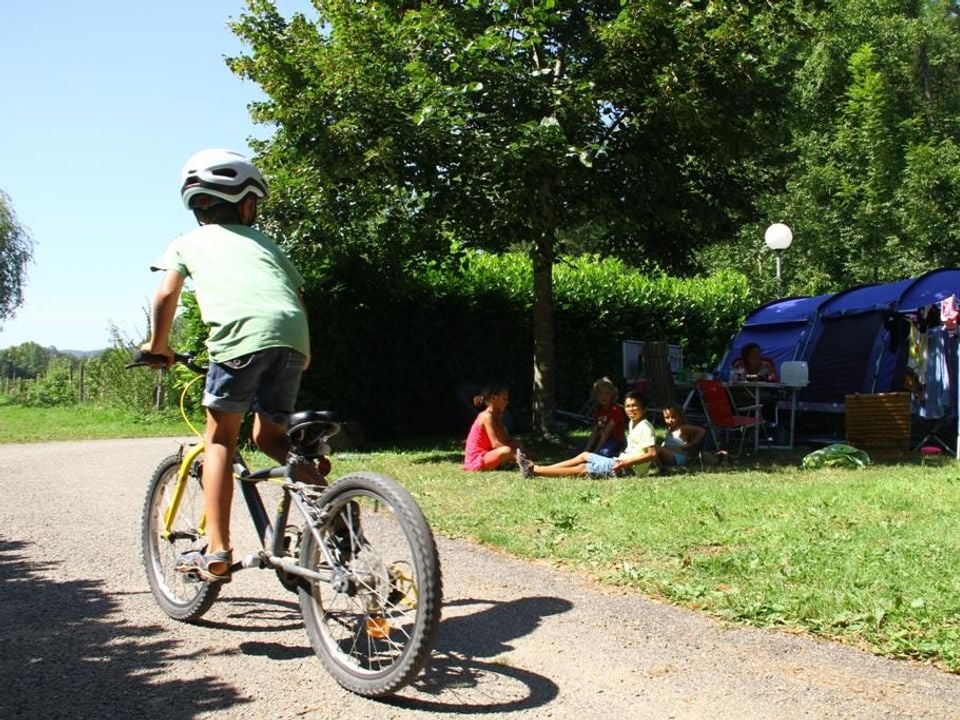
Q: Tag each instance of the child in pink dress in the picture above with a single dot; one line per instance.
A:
(489, 445)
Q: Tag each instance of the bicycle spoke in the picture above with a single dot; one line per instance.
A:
(179, 595)
(369, 626)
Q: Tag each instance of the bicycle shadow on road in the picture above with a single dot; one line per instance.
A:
(457, 681)
(262, 615)
(255, 615)
(69, 652)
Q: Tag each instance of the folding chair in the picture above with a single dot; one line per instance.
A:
(934, 431)
(660, 385)
(723, 415)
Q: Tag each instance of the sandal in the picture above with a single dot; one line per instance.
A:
(524, 463)
(198, 563)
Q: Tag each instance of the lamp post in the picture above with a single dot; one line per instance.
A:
(778, 238)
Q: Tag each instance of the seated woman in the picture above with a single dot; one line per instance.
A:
(641, 449)
(752, 365)
(681, 439)
(607, 437)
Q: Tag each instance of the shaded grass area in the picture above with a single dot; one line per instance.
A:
(868, 557)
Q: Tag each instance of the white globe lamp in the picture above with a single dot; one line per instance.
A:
(778, 238)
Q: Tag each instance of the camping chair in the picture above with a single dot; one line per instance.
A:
(661, 389)
(723, 415)
(935, 432)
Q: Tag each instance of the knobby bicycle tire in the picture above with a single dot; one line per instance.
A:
(179, 596)
(375, 632)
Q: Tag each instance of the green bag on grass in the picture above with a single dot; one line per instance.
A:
(836, 455)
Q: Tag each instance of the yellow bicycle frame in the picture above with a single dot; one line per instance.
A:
(184, 471)
(178, 491)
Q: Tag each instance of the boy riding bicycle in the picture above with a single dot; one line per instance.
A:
(248, 292)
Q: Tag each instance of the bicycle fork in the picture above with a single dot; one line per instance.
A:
(173, 510)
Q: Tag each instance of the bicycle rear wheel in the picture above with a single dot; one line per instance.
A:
(375, 623)
(179, 596)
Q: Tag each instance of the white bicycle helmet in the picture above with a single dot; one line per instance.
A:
(222, 174)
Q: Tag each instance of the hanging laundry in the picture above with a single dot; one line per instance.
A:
(938, 398)
(949, 312)
(917, 351)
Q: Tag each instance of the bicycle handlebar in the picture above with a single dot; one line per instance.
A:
(142, 358)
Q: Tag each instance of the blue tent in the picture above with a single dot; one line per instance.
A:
(930, 289)
(860, 339)
(857, 345)
(854, 341)
(780, 328)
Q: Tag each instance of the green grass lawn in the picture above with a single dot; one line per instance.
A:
(21, 424)
(870, 557)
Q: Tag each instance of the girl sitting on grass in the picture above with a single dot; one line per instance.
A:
(489, 445)
(681, 439)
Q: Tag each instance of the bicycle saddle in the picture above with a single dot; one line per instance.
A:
(309, 429)
(311, 416)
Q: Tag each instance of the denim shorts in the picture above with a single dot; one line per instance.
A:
(266, 380)
(599, 466)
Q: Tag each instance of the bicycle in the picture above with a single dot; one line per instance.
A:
(364, 563)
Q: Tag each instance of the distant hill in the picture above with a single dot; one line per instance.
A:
(85, 354)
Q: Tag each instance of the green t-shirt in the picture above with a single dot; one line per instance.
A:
(247, 289)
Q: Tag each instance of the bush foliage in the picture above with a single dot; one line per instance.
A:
(405, 357)
(403, 354)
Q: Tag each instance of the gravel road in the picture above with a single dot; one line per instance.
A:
(80, 636)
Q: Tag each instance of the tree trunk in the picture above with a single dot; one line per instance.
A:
(544, 370)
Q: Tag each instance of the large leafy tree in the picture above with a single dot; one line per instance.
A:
(16, 251)
(405, 129)
(873, 189)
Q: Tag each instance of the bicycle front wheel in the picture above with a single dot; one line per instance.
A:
(374, 624)
(178, 595)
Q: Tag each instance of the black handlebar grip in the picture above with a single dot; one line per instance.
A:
(142, 357)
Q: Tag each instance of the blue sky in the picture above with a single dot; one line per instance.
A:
(102, 104)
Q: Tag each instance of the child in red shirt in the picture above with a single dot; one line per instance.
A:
(608, 436)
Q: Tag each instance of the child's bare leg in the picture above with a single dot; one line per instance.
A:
(272, 439)
(220, 441)
(560, 469)
(574, 462)
(497, 457)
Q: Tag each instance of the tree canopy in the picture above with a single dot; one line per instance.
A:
(870, 182)
(405, 131)
(16, 251)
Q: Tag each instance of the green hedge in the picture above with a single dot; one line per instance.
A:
(399, 357)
